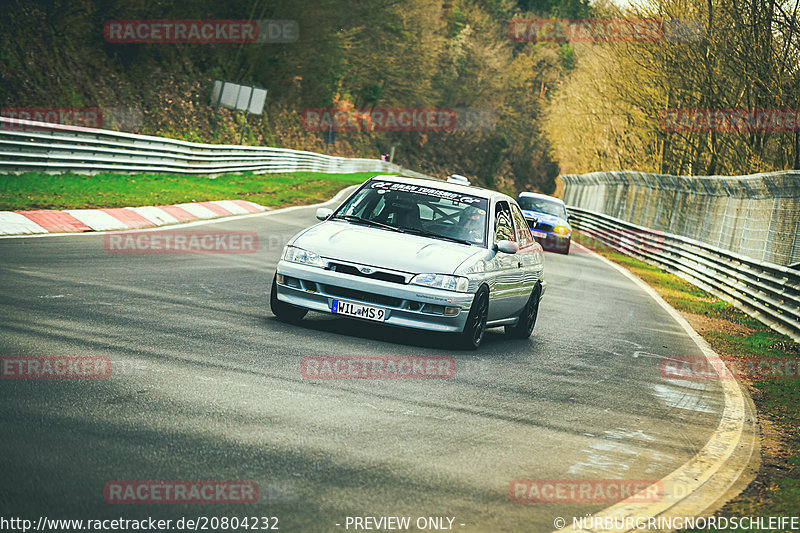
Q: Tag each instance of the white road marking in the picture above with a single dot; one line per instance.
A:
(692, 475)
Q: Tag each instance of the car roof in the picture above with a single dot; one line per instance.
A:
(446, 186)
(542, 196)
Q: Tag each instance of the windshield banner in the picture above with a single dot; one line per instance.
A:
(427, 191)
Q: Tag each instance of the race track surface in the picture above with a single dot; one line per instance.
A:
(206, 385)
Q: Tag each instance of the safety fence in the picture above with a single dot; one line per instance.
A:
(766, 291)
(757, 216)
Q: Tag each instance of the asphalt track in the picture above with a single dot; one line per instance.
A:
(206, 385)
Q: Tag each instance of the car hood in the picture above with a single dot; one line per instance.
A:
(384, 248)
(546, 218)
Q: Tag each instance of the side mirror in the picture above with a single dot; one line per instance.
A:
(323, 213)
(507, 247)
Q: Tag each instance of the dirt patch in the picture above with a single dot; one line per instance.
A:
(775, 444)
(706, 323)
(787, 347)
(674, 293)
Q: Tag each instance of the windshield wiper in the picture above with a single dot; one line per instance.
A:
(427, 233)
(358, 219)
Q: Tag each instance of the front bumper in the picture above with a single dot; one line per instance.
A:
(410, 306)
(552, 240)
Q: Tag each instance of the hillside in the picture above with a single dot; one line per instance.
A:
(453, 55)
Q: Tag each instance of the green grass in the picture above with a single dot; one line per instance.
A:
(776, 491)
(35, 190)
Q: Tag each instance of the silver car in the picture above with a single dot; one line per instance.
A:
(416, 253)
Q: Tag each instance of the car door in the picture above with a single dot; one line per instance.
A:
(529, 256)
(504, 297)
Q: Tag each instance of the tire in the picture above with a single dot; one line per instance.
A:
(285, 312)
(475, 328)
(566, 250)
(527, 318)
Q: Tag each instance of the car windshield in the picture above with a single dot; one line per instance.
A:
(540, 205)
(423, 210)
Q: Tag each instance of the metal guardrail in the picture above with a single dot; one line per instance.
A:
(766, 291)
(756, 215)
(37, 146)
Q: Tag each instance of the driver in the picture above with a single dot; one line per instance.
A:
(472, 222)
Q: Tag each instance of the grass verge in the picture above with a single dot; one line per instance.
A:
(37, 190)
(737, 337)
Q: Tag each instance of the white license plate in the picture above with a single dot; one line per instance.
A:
(539, 234)
(358, 310)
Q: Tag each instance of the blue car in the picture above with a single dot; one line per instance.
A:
(548, 220)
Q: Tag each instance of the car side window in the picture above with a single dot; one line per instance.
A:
(524, 237)
(503, 226)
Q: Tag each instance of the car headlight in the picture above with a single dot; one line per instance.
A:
(441, 281)
(562, 230)
(304, 257)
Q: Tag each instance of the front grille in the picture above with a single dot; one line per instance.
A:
(379, 275)
(541, 226)
(362, 296)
